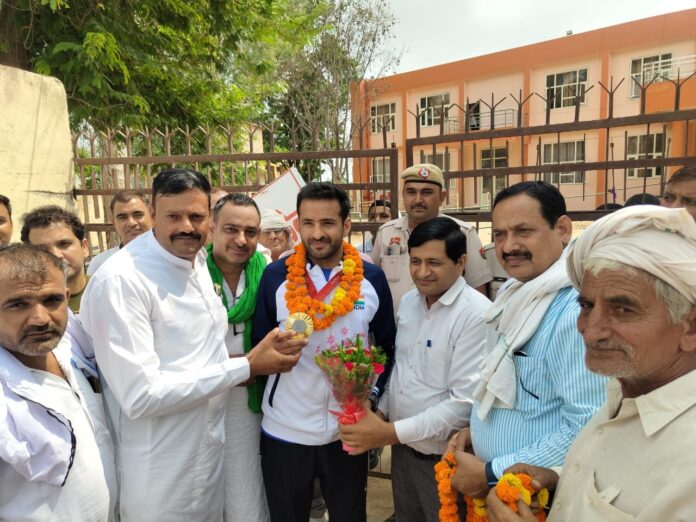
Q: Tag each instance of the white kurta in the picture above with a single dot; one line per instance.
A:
(89, 490)
(245, 496)
(159, 337)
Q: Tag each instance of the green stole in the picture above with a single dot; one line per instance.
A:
(243, 312)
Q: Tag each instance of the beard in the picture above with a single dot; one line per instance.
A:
(598, 358)
(333, 248)
(34, 345)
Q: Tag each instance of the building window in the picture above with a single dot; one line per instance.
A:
(645, 147)
(649, 67)
(381, 170)
(498, 160)
(441, 159)
(569, 152)
(383, 116)
(562, 88)
(431, 108)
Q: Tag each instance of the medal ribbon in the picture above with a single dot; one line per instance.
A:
(325, 290)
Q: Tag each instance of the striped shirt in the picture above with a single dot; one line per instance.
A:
(556, 395)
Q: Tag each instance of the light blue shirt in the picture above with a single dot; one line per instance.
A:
(556, 396)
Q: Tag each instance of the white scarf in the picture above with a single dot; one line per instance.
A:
(36, 441)
(513, 319)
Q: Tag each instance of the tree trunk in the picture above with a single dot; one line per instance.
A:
(12, 50)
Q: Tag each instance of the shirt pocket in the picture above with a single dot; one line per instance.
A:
(394, 266)
(533, 383)
(598, 505)
(435, 363)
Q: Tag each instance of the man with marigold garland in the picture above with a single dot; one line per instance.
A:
(535, 393)
(325, 285)
(634, 460)
(441, 341)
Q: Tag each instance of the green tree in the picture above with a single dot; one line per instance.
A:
(154, 62)
(352, 41)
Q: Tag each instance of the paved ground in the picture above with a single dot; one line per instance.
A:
(379, 495)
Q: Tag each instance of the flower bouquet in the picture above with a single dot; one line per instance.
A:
(351, 370)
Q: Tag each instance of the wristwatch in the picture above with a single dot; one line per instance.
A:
(491, 479)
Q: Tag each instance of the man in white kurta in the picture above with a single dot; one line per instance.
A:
(235, 267)
(56, 454)
(159, 329)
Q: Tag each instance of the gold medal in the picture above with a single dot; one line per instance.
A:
(300, 323)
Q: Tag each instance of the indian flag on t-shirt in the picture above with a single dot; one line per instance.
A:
(359, 303)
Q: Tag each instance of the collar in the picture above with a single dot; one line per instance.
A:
(660, 407)
(450, 296)
(401, 223)
(178, 262)
(316, 271)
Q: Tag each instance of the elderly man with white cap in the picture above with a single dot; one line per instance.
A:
(275, 234)
(636, 272)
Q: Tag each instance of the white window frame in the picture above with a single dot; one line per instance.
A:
(568, 90)
(430, 109)
(441, 159)
(638, 141)
(578, 156)
(657, 65)
(500, 158)
(381, 117)
(381, 170)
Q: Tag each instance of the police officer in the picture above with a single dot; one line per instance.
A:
(423, 193)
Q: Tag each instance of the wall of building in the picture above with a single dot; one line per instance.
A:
(35, 144)
(605, 54)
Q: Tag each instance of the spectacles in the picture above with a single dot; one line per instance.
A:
(273, 231)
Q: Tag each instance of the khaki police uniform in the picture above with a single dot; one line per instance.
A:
(390, 246)
(390, 252)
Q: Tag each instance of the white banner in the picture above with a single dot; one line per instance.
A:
(280, 196)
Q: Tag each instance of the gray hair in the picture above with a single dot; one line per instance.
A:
(21, 261)
(678, 306)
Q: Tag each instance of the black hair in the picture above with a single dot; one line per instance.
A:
(642, 199)
(23, 261)
(684, 174)
(125, 196)
(327, 191)
(609, 206)
(236, 199)
(549, 197)
(175, 181)
(43, 217)
(379, 203)
(4, 200)
(442, 229)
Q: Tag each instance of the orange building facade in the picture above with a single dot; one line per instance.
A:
(653, 51)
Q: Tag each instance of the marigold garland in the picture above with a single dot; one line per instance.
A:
(509, 489)
(444, 470)
(297, 296)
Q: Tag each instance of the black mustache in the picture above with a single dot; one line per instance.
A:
(516, 253)
(185, 235)
(41, 329)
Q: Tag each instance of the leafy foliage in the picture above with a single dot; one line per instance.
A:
(351, 41)
(154, 62)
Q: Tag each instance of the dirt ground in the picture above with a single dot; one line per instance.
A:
(380, 504)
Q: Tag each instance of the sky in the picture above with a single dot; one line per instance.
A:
(431, 32)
